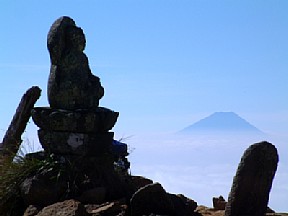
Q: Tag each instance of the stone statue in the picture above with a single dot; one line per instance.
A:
(74, 129)
(71, 84)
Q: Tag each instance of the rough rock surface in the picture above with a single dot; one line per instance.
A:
(183, 205)
(82, 121)
(140, 181)
(31, 210)
(109, 208)
(206, 211)
(42, 189)
(71, 84)
(95, 195)
(65, 143)
(151, 199)
(219, 203)
(65, 208)
(251, 186)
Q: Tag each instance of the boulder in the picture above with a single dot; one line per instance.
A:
(183, 205)
(43, 189)
(65, 208)
(219, 203)
(139, 182)
(149, 199)
(252, 183)
(95, 195)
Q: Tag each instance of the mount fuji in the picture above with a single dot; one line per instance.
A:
(227, 122)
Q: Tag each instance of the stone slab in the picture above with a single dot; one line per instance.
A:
(82, 121)
(67, 143)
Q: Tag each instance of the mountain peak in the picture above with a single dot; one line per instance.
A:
(222, 122)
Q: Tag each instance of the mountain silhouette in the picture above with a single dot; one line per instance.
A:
(222, 122)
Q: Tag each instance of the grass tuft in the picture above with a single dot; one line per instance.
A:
(12, 174)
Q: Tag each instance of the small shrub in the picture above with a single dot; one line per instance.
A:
(12, 174)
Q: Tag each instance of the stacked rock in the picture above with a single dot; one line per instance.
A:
(74, 131)
(74, 124)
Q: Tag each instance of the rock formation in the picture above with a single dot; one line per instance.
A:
(219, 203)
(12, 139)
(253, 180)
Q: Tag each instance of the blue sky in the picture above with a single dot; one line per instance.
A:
(164, 64)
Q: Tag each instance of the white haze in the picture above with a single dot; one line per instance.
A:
(203, 166)
(198, 166)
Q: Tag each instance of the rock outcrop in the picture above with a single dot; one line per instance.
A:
(219, 203)
(252, 183)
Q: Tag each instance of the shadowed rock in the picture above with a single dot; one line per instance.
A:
(253, 181)
(219, 203)
(151, 199)
(68, 207)
(98, 120)
(12, 139)
(71, 84)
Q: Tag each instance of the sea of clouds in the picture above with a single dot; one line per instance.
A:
(203, 166)
(200, 166)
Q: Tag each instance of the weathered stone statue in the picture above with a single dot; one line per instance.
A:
(71, 84)
(253, 181)
(74, 129)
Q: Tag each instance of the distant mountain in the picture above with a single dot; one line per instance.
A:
(222, 122)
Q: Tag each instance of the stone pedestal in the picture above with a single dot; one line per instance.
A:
(71, 143)
(80, 132)
(79, 120)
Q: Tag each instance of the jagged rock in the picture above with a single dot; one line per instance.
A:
(219, 203)
(65, 208)
(139, 182)
(43, 189)
(151, 199)
(269, 210)
(205, 211)
(95, 195)
(31, 210)
(253, 180)
(71, 84)
(67, 143)
(12, 138)
(190, 205)
(109, 208)
(82, 121)
(182, 205)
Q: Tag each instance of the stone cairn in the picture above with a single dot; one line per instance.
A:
(253, 181)
(74, 128)
(78, 172)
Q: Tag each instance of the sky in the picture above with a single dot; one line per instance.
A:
(164, 64)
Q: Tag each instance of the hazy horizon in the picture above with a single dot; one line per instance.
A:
(202, 167)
